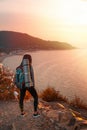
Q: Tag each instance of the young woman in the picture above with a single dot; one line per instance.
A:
(28, 84)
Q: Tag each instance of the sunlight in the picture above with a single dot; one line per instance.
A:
(73, 12)
(70, 18)
(58, 20)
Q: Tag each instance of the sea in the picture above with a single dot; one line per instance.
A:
(63, 70)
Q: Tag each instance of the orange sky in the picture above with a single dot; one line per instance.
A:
(60, 20)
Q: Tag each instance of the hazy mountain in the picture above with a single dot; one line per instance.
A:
(10, 41)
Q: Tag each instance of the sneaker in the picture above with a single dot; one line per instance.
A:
(36, 115)
(23, 114)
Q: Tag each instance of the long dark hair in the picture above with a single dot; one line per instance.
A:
(27, 56)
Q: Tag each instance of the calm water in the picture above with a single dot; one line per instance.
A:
(66, 71)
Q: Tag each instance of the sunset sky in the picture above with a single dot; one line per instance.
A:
(58, 20)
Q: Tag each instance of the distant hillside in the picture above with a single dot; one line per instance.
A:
(10, 41)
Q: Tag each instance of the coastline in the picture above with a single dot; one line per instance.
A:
(2, 58)
(67, 68)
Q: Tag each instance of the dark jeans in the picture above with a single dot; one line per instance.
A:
(32, 92)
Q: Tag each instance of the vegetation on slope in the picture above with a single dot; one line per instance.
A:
(10, 41)
(7, 86)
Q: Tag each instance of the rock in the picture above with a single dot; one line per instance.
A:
(65, 116)
(53, 114)
(84, 129)
(62, 118)
(13, 126)
(60, 106)
(6, 127)
(72, 122)
(75, 113)
(44, 112)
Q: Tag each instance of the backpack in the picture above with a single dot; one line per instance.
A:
(19, 77)
(27, 73)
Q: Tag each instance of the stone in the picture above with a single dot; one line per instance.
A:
(60, 106)
(65, 116)
(72, 122)
(75, 113)
(53, 114)
(13, 126)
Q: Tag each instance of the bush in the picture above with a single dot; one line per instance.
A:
(50, 94)
(78, 103)
(7, 86)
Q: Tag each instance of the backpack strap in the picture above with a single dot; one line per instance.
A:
(19, 78)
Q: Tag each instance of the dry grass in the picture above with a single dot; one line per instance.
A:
(78, 103)
(50, 94)
(6, 86)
